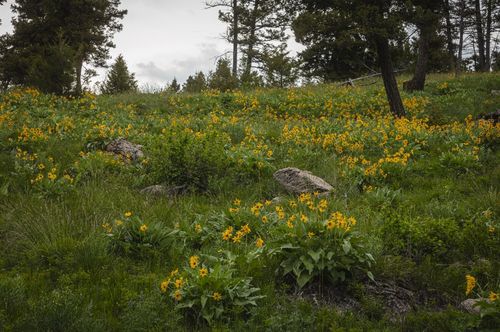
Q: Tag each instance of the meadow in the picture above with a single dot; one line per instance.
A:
(410, 230)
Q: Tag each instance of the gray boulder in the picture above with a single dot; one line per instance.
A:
(125, 149)
(297, 181)
(470, 305)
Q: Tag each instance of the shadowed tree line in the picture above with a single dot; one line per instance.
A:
(57, 45)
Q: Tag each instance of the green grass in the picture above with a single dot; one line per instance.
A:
(425, 223)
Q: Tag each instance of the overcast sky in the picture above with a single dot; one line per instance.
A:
(163, 39)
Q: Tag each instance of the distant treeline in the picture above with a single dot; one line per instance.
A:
(56, 46)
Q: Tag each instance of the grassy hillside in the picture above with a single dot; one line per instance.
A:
(415, 208)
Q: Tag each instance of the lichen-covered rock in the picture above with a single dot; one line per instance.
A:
(159, 190)
(297, 181)
(470, 305)
(125, 149)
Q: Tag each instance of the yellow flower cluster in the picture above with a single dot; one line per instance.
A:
(338, 220)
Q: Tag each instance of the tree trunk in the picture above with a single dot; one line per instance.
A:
(78, 70)
(487, 60)
(235, 37)
(461, 28)
(417, 83)
(480, 36)
(449, 35)
(251, 40)
(390, 83)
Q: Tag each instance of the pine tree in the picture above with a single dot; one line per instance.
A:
(118, 79)
(195, 84)
(174, 86)
(222, 78)
(263, 24)
(376, 21)
(280, 70)
(230, 14)
(59, 34)
(425, 14)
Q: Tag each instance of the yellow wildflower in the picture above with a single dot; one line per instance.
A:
(178, 295)
(164, 285)
(227, 234)
(493, 297)
(330, 224)
(246, 229)
(193, 261)
(264, 219)
(128, 214)
(217, 296)
(143, 228)
(179, 282)
(237, 202)
(259, 243)
(471, 284)
(203, 272)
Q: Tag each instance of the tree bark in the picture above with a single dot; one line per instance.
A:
(389, 78)
(461, 29)
(449, 35)
(487, 60)
(235, 37)
(251, 41)
(417, 83)
(480, 36)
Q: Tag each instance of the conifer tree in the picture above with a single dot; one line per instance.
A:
(60, 36)
(118, 79)
(222, 79)
(196, 83)
(174, 86)
(376, 21)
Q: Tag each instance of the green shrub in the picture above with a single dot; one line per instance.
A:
(134, 237)
(420, 237)
(187, 159)
(210, 290)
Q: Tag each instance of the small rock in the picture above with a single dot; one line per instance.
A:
(470, 305)
(297, 181)
(495, 92)
(125, 149)
(278, 200)
(161, 190)
(156, 190)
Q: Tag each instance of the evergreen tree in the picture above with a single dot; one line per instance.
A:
(118, 79)
(174, 86)
(376, 21)
(59, 34)
(263, 23)
(280, 70)
(230, 14)
(222, 79)
(425, 14)
(195, 84)
(335, 46)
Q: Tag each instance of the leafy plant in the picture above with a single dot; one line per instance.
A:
(210, 290)
(132, 236)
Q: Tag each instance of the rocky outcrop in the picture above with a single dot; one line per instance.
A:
(125, 149)
(297, 181)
